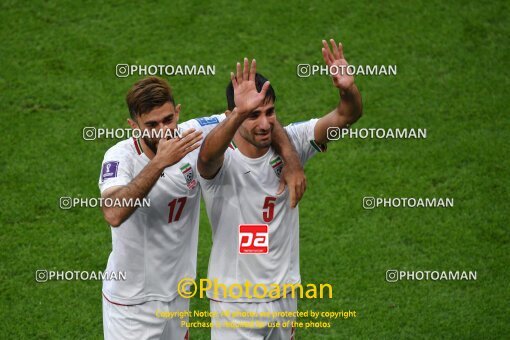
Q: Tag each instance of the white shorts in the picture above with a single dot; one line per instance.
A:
(266, 329)
(141, 322)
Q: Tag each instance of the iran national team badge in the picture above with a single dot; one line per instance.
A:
(253, 239)
(187, 171)
(277, 165)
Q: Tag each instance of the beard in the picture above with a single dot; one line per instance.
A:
(151, 145)
(262, 144)
(252, 139)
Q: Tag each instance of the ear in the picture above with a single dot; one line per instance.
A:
(132, 123)
(177, 111)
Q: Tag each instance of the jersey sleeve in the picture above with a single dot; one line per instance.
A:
(116, 169)
(302, 135)
(204, 124)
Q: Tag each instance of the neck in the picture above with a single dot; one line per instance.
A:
(248, 149)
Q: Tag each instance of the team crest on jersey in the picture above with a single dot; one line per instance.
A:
(187, 171)
(277, 165)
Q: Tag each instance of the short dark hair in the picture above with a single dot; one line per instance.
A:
(147, 94)
(259, 81)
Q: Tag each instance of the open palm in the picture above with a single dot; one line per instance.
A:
(337, 63)
(246, 96)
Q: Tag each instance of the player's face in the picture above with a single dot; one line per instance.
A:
(161, 119)
(258, 127)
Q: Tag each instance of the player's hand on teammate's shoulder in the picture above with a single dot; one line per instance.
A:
(246, 96)
(171, 151)
(337, 64)
(293, 177)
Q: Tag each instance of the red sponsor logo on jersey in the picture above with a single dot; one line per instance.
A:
(253, 239)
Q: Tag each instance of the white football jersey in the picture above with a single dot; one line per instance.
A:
(255, 232)
(157, 245)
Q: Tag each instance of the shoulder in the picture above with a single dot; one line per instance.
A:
(127, 147)
(300, 133)
(202, 123)
(301, 126)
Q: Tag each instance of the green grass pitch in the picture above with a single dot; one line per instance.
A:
(57, 76)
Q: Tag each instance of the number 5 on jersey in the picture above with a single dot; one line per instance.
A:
(268, 209)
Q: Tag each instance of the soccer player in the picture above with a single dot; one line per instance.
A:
(255, 233)
(156, 246)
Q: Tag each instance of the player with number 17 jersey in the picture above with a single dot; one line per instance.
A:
(157, 245)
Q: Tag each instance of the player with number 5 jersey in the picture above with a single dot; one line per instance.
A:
(255, 230)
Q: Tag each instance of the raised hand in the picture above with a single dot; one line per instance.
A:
(337, 65)
(246, 96)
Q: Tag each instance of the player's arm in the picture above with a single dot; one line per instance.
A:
(211, 156)
(169, 152)
(349, 109)
(293, 174)
(247, 99)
